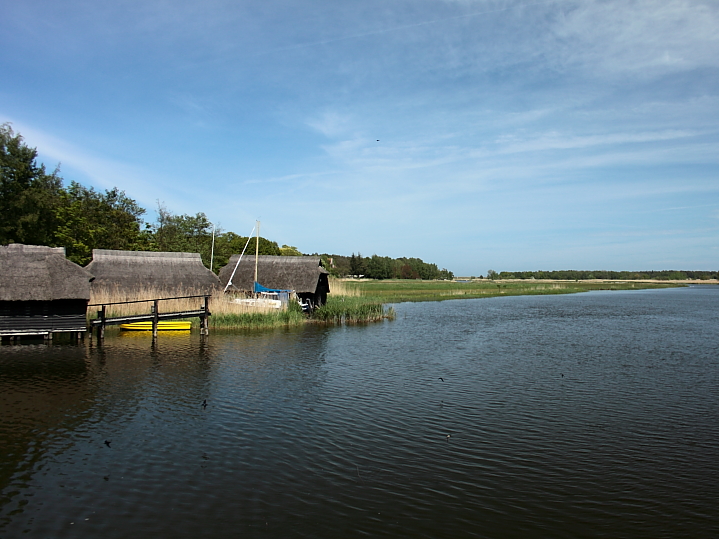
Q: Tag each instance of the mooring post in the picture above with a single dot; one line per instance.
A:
(204, 323)
(101, 327)
(155, 318)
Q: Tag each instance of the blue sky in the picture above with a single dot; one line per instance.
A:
(475, 134)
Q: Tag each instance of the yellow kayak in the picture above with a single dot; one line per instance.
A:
(161, 326)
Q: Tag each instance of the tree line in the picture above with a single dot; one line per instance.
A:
(37, 209)
(383, 267)
(583, 275)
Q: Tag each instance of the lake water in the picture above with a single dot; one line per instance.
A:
(589, 415)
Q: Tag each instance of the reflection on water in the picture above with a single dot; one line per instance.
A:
(574, 416)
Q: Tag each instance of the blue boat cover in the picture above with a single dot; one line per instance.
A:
(259, 288)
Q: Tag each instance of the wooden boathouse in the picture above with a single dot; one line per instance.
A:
(302, 274)
(171, 274)
(41, 292)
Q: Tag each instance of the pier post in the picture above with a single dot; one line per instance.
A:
(101, 327)
(204, 321)
(155, 318)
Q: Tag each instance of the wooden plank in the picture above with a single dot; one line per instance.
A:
(148, 317)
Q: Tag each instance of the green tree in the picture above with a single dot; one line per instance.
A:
(289, 250)
(229, 243)
(183, 233)
(88, 219)
(357, 266)
(379, 267)
(28, 195)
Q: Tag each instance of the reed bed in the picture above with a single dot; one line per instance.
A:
(344, 288)
(143, 297)
(344, 305)
(351, 310)
(349, 302)
(225, 312)
(397, 291)
(257, 318)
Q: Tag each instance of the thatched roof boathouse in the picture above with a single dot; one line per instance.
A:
(41, 291)
(166, 273)
(303, 274)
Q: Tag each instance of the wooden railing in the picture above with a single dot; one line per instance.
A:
(154, 316)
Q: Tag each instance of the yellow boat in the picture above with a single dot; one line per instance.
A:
(161, 326)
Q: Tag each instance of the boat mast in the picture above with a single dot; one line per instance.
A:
(247, 243)
(212, 252)
(257, 252)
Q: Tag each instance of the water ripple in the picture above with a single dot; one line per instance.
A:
(575, 416)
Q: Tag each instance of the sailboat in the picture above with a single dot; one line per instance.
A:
(263, 297)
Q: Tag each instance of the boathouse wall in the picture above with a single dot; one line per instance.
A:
(41, 292)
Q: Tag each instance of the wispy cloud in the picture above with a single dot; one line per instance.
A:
(418, 119)
(100, 172)
(639, 38)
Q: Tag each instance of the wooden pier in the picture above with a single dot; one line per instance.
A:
(203, 313)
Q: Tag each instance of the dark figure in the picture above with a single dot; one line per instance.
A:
(107, 443)
(441, 378)
(204, 403)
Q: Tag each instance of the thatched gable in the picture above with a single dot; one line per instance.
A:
(39, 273)
(130, 270)
(303, 274)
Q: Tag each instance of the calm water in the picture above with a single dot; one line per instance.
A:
(591, 415)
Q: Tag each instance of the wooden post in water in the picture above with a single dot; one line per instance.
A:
(155, 318)
(204, 320)
(101, 327)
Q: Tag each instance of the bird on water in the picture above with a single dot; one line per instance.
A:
(107, 443)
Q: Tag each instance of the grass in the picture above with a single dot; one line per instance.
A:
(396, 291)
(344, 305)
(254, 318)
(225, 314)
(351, 310)
(350, 301)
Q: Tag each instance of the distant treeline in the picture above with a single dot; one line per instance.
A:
(383, 267)
(37, 209)
(665, 275)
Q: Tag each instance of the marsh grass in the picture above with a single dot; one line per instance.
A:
(345, 305)
(349, 302)
(351, 310)
(396, 291)
(225, 313)
(257, 318)
(344, 288)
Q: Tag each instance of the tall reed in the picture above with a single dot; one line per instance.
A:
(344, 288)
(225, 312)
(344, 305)
(351, 310)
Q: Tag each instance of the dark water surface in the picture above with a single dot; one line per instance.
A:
(342, 432)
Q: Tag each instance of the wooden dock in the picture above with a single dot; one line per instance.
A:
(203, 313)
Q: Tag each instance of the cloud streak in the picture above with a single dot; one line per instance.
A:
(522, 131)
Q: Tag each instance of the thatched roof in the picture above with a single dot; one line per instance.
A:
(39, 273)
(129, 270)
(298, 273)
